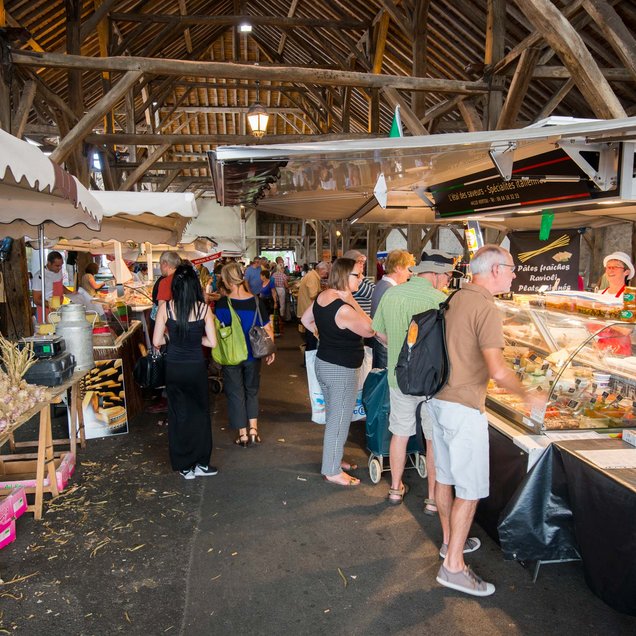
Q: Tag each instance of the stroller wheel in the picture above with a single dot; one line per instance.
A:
(375, 470)
(420, 465)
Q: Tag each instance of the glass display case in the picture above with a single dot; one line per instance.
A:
(585, 366)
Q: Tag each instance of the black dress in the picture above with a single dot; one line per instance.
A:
(189, 422)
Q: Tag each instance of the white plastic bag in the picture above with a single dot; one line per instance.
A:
(316, 397)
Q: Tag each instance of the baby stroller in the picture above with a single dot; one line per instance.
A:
(215, 376)
(375, 397)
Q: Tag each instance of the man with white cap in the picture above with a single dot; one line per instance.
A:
(619, 270)
(391, 322)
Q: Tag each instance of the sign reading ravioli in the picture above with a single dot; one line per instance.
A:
(552, 262)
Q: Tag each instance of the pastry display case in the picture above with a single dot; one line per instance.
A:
(585, 367)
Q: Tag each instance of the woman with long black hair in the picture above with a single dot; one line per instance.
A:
(190, 325)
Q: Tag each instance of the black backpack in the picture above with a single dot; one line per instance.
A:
(422, 367)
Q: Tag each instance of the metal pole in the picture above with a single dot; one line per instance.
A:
(42, 270)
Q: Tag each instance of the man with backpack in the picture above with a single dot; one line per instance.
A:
(474, 338)
(391, 322)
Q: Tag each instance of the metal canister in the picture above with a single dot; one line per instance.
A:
(77, 333)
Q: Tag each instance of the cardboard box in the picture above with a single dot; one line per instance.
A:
(21, 473)
(19, 501)
(7, 533)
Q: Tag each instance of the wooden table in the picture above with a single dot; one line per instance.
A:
(45, 456)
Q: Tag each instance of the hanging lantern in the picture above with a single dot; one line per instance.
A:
(257, 116)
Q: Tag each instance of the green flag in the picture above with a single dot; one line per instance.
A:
(396, 126)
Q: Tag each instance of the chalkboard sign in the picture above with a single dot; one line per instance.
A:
(540, 263)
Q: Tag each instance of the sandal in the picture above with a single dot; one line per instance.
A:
(397, 492)
(254, 438)
(351, 481)
(242, 440)
(347, 466)
(427, 510)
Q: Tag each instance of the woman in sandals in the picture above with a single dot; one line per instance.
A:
(241, 381)
(341, 325)
(190, 325)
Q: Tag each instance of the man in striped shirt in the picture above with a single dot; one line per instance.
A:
(365, 290)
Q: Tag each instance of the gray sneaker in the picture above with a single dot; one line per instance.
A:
(465, 581)
(472, 544)
(188, 473)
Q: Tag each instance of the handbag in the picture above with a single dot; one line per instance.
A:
(150, 370)
(261, 342)
(231, 348)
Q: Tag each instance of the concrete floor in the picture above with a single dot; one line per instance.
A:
(265, 547)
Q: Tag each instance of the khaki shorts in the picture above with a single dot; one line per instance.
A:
(460, 439)
(402, 416)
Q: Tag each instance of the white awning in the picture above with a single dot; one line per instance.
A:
(35, 191)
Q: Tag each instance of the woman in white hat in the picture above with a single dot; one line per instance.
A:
(619, 270)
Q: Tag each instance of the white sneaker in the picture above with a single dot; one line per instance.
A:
(205, 471)
(187, 474)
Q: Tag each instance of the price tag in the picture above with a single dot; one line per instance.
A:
(532, 357)
(573, 404)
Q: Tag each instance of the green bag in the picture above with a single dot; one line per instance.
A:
(231, 347)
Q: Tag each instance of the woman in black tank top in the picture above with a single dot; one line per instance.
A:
(190, 326)
(340, 324)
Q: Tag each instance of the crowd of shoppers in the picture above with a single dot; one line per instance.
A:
(337, 318)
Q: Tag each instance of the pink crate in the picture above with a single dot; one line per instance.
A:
(6, 510)
(19, 501)
(63, 472)
(7, 533)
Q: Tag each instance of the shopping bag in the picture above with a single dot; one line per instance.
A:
(316, 397)
(231, 348)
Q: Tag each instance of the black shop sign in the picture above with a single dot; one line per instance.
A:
(540, 263)
(543, 181)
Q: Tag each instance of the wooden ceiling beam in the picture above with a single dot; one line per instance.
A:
(126, 139)
(399, 17)
(555, 100)
(419, 49)
(81, 130)
(567, 43)
(616, 33)
(470, 115)
(280, 22)
(95, 18)
(272, 110)
(140, 170)
(243, 71)
(408, 116)
(518, 88)
(19, 119)
(382, 30)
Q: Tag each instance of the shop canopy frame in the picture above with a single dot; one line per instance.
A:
(335, 181)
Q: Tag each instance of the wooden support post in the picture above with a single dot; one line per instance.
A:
(5, 90)
(598, 252)
(45, 463)
(420, 32)
(319, 241)
(24, 107)
(374, 111)
(414, 240)
(494, 51)
(15, 312)
(372, 249)
(333, 239)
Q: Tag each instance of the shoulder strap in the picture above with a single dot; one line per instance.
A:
(444, 305)
(257, 313)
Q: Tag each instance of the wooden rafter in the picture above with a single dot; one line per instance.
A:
(240, 71)
(613, 28)
(518, 88)
(408, 116)
(18, 121)
(562, 37)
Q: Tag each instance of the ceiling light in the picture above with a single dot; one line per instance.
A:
(245, 28)
(257, 116)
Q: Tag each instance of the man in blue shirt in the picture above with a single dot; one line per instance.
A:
(253, 276)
